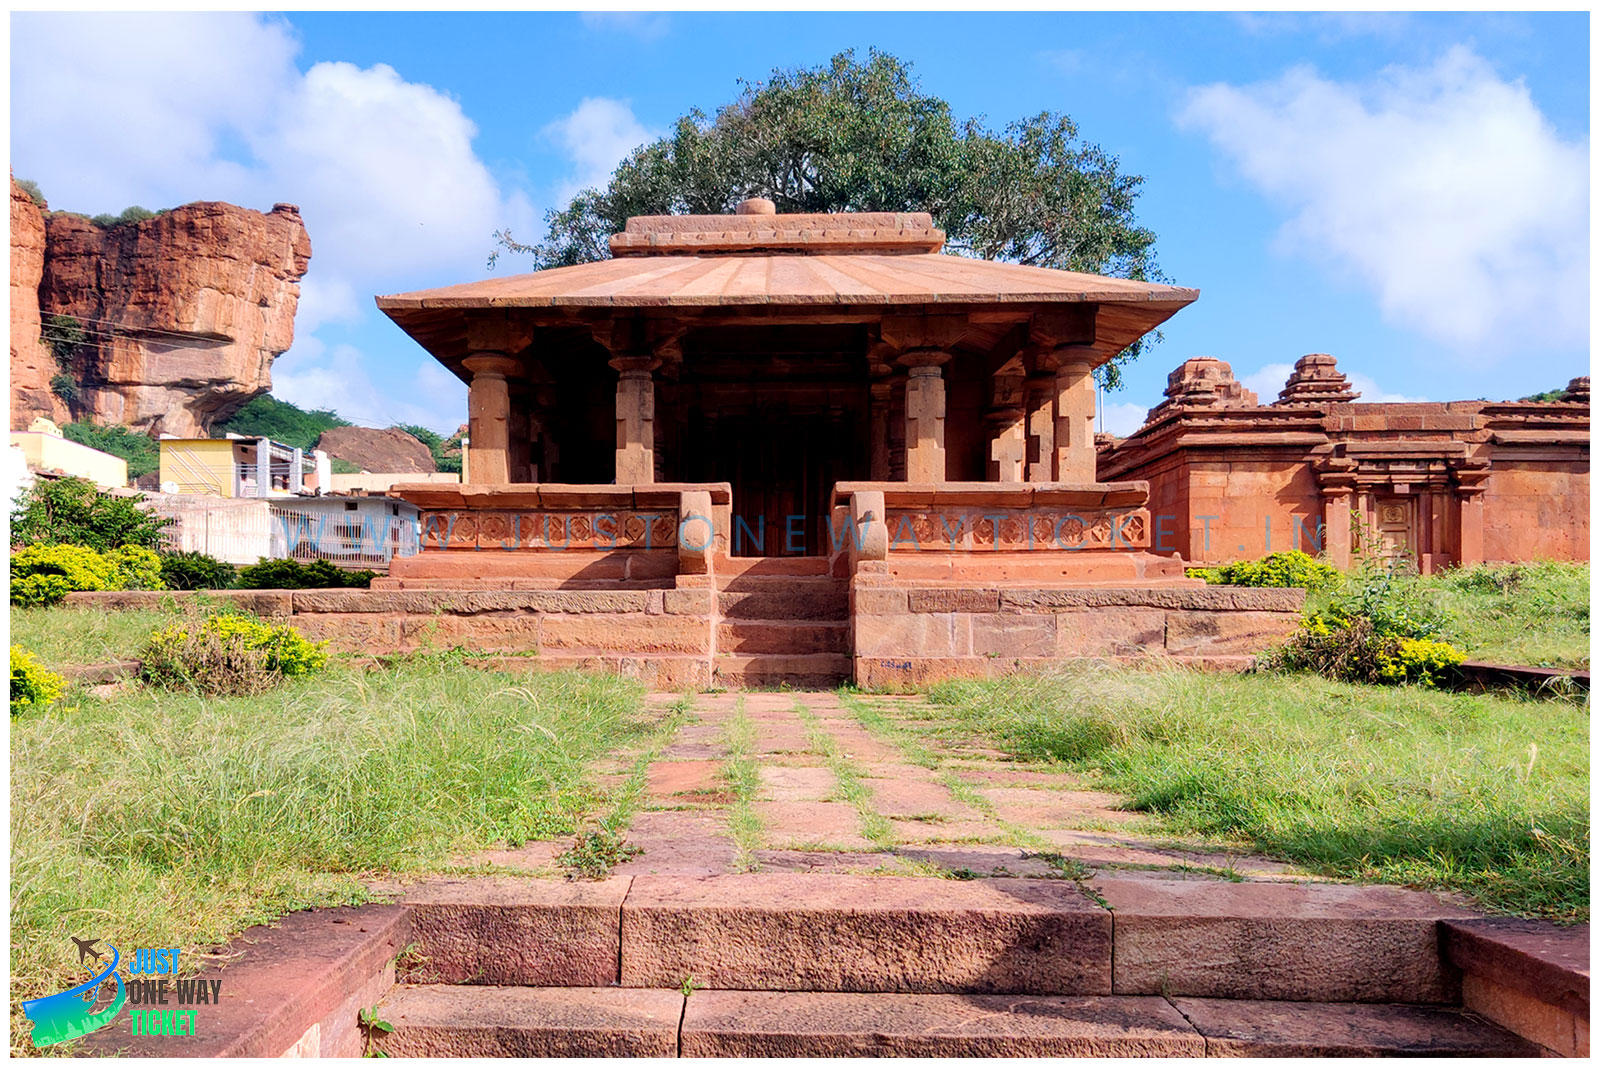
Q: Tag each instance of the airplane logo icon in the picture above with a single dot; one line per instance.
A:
(86, 948)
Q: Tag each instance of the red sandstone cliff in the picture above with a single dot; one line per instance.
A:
(32, 364)
(185, 312)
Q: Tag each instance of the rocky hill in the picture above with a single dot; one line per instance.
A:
(380, 451)
(32, 364)
(181, 315)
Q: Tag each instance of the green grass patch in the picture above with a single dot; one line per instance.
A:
(1531, 614)
(164, 818)
(874, 826)
(1486, 795)
(80, 637)
(744, 779)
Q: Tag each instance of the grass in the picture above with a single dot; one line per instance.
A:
(1485, 795)
(80, 637)
(744, 779)
(161, 818)
(1529, 614)
(874, 826)
(596, 850)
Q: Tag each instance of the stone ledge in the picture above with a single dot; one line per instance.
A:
(553, 495)
(518, 931)
(731, 1023)
(1210, 598)
(1542, 960)
(471, 602)
(852, 933)
(1279, 941)
(293, 977)
(259, 601)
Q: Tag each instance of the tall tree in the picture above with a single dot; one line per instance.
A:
(854, 136)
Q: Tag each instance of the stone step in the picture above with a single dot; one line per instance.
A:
(512, 1021)
(1128, 935)
(875, 1024)
(822, 670)
(733, 569)
(790, 598)
(859, 933)
(453, 1020)
(791, 637)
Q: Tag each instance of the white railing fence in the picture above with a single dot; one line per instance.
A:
(348, 538)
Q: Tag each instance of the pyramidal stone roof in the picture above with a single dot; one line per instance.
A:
(759, 259)
(749, 258)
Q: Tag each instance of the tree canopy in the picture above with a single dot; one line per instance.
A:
(267, 416)
(863, 136)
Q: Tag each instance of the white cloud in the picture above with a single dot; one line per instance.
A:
(597, 136)
(1373, 393)
(316, 375)
(1122, 418)
(1327, 26)
(645, 25)
(160, 110)
(1268, 382)
(1444, 190)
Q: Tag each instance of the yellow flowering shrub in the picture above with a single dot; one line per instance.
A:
(32, 685)
(42, 575)
(1419, 660)
(229, 654)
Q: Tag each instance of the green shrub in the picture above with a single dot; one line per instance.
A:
(1279, 570)
(71, 511)
(1416, 659)
(32, 686)
(446, 451)
(291, 574)
(64, 386)
(33, 191)
(137, 567)
(134, 213)
(140, 450)
(1380, 628)
(63, 335)
(228, 654)
(42, 574)
(196, 570)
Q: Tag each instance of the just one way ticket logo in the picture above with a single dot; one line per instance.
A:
(166, 1005)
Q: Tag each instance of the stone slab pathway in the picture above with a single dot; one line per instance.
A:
(816, 781)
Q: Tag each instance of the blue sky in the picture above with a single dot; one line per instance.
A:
(1407, 192)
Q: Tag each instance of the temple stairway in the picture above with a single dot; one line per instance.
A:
(781, 621)
(827, 965)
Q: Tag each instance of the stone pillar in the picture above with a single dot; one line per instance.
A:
(1336, 526)
(489, 417)
(697, 532)
(1008, 448)
(296, 477)
(1471, 526)
(1074, 428)
(264, 466)
(1041, 430)
(879, 401)
(925, 459)
(636, 420)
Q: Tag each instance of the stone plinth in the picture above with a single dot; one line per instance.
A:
(530, 535)
(973, 579)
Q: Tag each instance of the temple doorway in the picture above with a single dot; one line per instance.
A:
(780, 413)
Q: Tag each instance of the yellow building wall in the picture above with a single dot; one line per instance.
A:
(47, 451)
(198, 465)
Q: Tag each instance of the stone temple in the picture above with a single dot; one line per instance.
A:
(1446, 484)
(761, 448)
